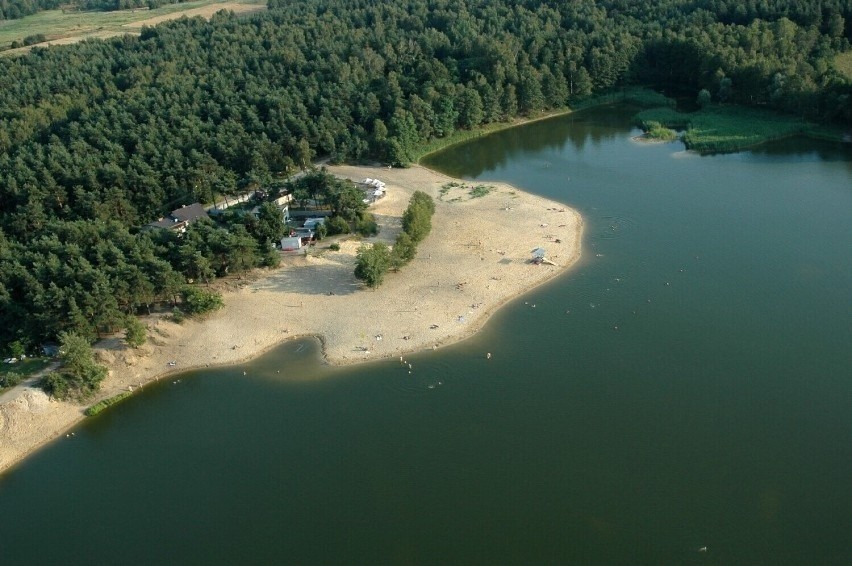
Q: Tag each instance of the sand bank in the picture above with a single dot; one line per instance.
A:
(475, 259)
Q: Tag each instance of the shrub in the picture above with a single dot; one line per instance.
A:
(337, 225)
(36, 38)
(177, 316)
(372, 264)
(335, 247)
(403, 251)
(321, 231)
(417, 221)
(135, 334)
(199, 301)
(9, 379)
(367, 226)
(421, 198)
(17, 349)
(269, 257)
(659, 132)
(79, 376)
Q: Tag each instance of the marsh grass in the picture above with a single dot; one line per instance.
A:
(101, 405)
(657, 131)
(721, 129)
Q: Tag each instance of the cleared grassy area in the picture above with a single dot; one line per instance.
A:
(68, 27)
(843, 63)
(729, 128)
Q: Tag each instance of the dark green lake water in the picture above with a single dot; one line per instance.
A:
(687, 385)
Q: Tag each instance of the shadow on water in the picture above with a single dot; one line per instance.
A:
(535, 143)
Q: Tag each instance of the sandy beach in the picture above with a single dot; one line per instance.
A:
(475, 260)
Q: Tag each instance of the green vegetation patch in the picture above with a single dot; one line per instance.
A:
(9, 379)
(473, 191)
(732, 128)
(843, 64)
(724, 128)
(657, 131)
(101, 405)
(481, 190)
(666, 117)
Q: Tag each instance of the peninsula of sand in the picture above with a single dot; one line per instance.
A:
(476, 258)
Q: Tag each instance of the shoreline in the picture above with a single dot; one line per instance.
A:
(475, 260)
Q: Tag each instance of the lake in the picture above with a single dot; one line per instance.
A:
(686, 385)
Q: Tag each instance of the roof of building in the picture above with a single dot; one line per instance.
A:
(189, 212)
(180, 217)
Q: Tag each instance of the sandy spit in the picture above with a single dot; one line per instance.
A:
(474, 261)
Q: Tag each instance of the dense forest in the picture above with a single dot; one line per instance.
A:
(100, 138)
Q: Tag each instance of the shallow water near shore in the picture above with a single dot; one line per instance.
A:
(686, 385)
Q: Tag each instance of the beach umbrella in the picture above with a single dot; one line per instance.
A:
(538, 253)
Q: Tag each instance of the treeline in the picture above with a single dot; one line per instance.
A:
(85, 277)
(15, 9)
(111, 5)
(374, 261)
(99, 138)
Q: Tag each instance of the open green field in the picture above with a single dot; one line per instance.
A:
(843, 63)
(61, 27)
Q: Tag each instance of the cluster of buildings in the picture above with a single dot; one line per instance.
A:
(179, 219)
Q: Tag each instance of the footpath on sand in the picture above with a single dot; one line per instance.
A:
(476, 258)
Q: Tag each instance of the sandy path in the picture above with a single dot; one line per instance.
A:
(475, 259)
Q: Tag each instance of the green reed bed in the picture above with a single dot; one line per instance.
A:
(719, 129)
(101, 405)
